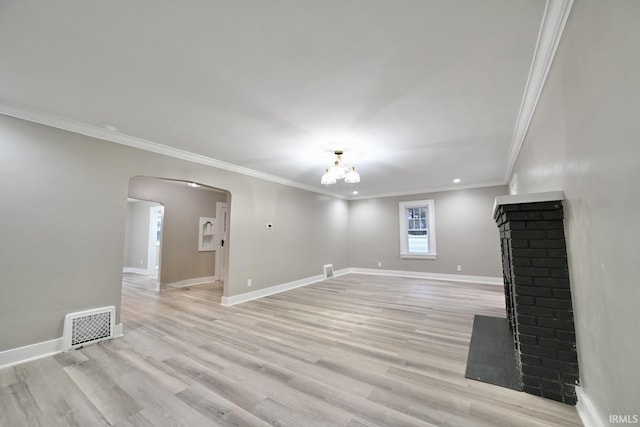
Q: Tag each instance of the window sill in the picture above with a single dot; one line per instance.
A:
(417, 256)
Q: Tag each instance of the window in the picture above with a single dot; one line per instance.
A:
(417, 229)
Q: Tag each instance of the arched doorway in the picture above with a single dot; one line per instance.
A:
(194, 226)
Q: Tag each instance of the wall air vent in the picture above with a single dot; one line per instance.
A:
(88, 327)
(328, 270)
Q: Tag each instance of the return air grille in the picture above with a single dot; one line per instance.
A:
(88, 327)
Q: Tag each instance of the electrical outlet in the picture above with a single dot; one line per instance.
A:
(379, 263)
(249, 283)
(459, 268)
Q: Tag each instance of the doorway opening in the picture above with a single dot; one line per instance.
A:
(143, 243)
(187, 236)
(156, 215)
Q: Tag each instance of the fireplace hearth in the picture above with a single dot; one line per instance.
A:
(538, 293)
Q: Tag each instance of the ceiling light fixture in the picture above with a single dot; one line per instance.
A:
(456, 181)
(193, 185)
(340, 171)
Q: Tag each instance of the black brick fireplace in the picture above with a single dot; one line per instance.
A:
(537, 293)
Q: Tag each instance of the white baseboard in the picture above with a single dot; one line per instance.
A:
(48, 348)
(587, 411)
(190, 282)
(260, 293)
(134, 270)
(39, 350)
(341, 272)
(118, 330)
(486, 280)
(30, 352)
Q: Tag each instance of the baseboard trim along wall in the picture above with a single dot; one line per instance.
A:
(30, 352)
(486, 280)
(134, 270)
(49, 348)
(39, 350)
(189, 282)
(587, 411)
(118, 330)
(260, 293)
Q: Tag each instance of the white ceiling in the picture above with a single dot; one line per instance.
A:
(417, 92)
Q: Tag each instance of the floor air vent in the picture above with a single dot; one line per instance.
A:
(88, 327)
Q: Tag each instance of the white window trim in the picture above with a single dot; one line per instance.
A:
(404, 249)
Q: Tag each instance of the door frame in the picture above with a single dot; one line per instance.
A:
(154, 250)
(222, 233)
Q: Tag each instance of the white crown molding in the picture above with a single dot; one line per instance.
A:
(143, 144)
(552, 27)
(554, 20)
(587, 411)
(153, 147)
(430, 190)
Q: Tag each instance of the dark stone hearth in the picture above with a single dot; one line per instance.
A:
(491, 357)
(538, 297)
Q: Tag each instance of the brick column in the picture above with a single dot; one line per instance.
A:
(539, 297)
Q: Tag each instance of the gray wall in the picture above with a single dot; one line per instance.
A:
(465, 233)
(584, 141)
(136, 245)
(63, 208)
(309, 230)
(183, 207)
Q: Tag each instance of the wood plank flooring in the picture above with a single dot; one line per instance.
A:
(357, 350)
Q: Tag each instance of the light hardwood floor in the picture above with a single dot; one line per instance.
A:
(357, 350)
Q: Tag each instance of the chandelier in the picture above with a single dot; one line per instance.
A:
(340, 171)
